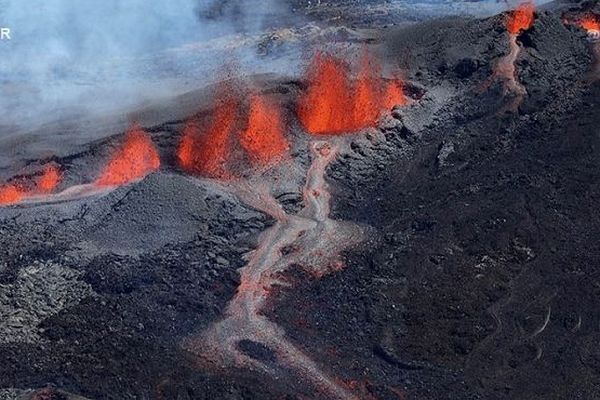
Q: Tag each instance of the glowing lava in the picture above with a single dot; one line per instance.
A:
(49, 180)
(521, 18)
(337, 103)
(264, 139)
(317, 240)
(10, 194)
(209, 150)
(505, 69)
(591, 24)
(206, 153)
(135, 159)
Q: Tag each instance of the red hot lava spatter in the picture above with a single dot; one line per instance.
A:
(505, 70)
(10, 194)
(264, 139)
(46, 183)
(207, 153)
(49, 180)
(136, 158)
(210, 149)
(336, 102)
(521, 18)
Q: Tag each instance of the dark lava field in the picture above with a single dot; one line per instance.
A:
(478, 276)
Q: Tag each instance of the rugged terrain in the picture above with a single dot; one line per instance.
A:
(477, 281)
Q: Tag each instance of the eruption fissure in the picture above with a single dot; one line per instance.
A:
(15, 193)
(317, 241)
(136, 158)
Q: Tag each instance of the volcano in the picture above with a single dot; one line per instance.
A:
(410, 214)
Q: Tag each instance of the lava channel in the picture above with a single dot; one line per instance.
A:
(318, 241)
(505, 70)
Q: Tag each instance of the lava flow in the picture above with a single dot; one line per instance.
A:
(336, 103)
(136, 158)
(317, 240)
(518, 20)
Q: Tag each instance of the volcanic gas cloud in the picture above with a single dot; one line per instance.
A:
(337, 102)
(517, 21)
(16, 192)
(209, 148)
(136, 158)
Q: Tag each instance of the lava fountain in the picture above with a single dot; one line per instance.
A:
(263, 139)
(518, 20)
(10, 194)
(135, 159)
(16, 193)
(337, 103)
(212, 149)
(206, 153)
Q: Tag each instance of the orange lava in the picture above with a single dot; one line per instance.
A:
(521, 18)
(264, 139)
(394, 95)
(337, 103)
(10, 194)
(590, 23)
(206, 153)
(136, 158)
(49, 180)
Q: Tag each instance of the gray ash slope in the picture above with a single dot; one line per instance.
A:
(481, 282)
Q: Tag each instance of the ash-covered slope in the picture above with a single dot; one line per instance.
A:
(482, 282)
(479, 283)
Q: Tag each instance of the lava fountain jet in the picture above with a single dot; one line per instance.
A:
(206, 153)
(10, 194)
(518, 20)
(15, 193)
(317, 240)
(210, 149)
(337, 103)
(49, 180)
(263, 139)
(135, 159)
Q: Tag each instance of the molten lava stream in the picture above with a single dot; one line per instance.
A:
(317, 241)
(135, 159)
(336, 103)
